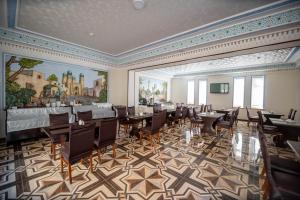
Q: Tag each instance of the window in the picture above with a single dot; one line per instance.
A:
(238, 91)
(202, 91)
(190, 94)
(257, 92)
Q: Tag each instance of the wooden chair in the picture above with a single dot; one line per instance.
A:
(85, 116)
(226, 124)
(279, 184)
(266, 128)
(80, 145)
(122, 119)
(290, 113)
(175, 119)
(293, 115)
(58, 130)
(251, 118)
(184, 114)
(151, 132)
(107, 136)
(196, 121)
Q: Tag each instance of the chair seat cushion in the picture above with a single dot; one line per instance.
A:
(287, 184)
(285, 165)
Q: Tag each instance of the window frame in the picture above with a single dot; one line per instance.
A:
(206, 93)
(243, 106)
(264, 87)
(187, 96)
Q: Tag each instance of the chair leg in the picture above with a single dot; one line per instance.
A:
(91, 162)
(54, 151)
(70, 172)
(231, 131)
(248, 123)
(119, 129)
(114, 150)
(216, 130)
(99, 155)
(141, 137)
(61, 164)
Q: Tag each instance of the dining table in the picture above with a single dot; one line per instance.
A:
(224, 110)
(290, 128)
(208, 119)
(295, 146)
(269, 115)
(136, 119)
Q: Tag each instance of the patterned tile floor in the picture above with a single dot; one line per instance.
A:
(184, 165)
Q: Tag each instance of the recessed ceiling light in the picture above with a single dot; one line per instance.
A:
(138, 4)
(91, 34)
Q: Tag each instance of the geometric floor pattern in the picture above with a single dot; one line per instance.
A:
(184, 165)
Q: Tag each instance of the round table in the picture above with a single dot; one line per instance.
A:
(209, 119)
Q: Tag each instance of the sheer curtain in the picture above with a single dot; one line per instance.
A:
(190, 94)
(238, 92)
(257, 92)
(202, 91)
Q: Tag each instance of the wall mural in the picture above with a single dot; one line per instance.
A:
(31, 83)
(152, 90)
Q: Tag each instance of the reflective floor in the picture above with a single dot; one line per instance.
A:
(184, 165)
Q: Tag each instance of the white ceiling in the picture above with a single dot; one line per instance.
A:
(116, 26)
(232, 63)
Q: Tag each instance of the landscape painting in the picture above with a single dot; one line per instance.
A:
(150, 88)
(33, 82)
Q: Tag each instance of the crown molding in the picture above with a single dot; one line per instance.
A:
(286, 35)
(169, 49)
(46, 54)
(265, 68)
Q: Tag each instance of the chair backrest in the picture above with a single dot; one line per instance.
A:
(184, 112)
(156, 122)
(85, 116)
(237, 111)
(294, 114)
(205, 108)
(107, 131)
(248, 114)
(290, 113)
(81, 139)
(156, 107)
(178, 113)
(232, 117)
(163, 117)
(190, 113)
(260, 119)
(267, 164)
(202, 108)
(196, 111)
(59, 119)
(131, 110)
(121, 112)
(209, 108)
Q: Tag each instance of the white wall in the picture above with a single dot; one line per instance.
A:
(118, 81)
(282, 91)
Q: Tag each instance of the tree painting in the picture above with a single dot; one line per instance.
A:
(152, 88)
(15, 95)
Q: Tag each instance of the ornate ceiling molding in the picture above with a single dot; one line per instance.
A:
(46, 54)
(266, 68)
(273, 20)
(281, 36)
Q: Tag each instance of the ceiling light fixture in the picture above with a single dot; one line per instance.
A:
(138, 4)
(91, 34)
